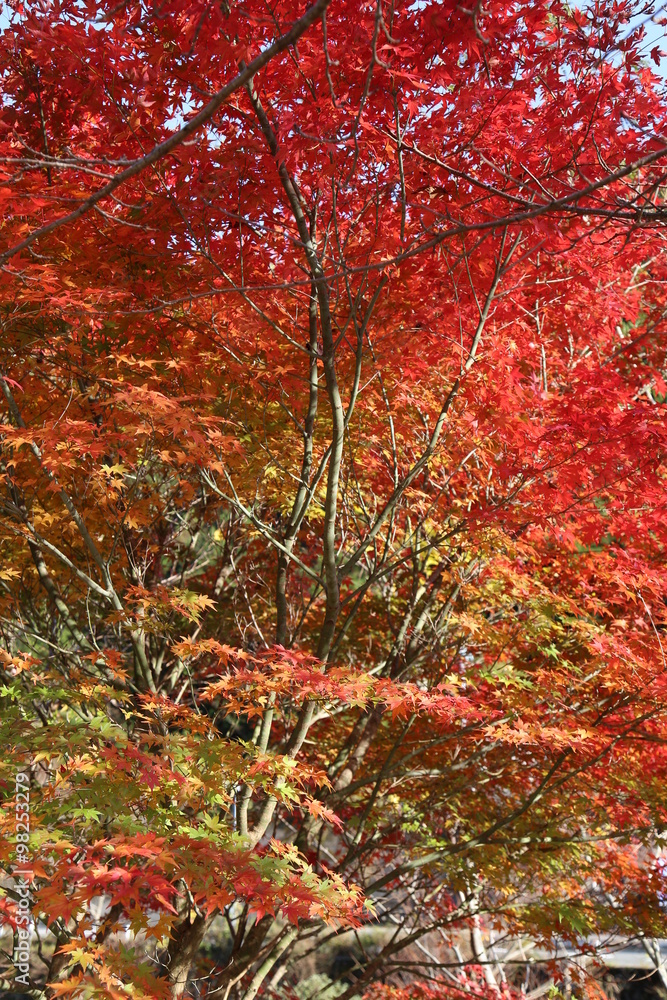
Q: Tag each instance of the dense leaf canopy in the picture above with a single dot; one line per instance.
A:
(332, 525)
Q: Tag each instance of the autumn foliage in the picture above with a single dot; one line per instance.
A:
(333, 531)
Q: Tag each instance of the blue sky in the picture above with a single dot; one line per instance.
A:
(656, 34)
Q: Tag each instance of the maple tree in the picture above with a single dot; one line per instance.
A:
(332, 527)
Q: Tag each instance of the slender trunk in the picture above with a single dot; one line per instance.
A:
(183, 950)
